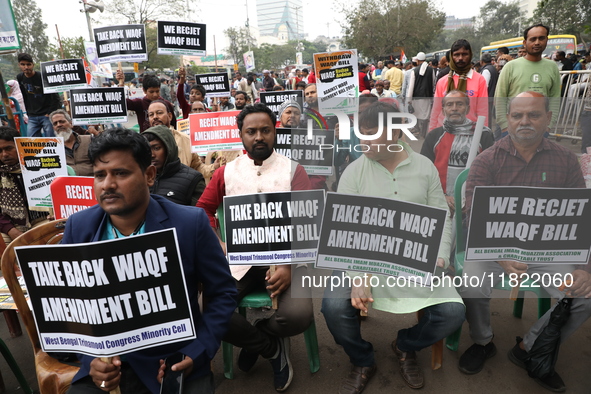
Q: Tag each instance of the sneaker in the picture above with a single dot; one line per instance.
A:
(282, 370)
(517, 355)
(246, 360)
(472, 361)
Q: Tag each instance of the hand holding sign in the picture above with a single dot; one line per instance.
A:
(186, 365)
(106, 375)
(360, 297)
(278, 281)
(581, 286)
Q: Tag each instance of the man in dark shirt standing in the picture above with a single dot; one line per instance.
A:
(38, 105)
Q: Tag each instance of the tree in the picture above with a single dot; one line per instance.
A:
(31, 30)
(240, 41)
(73, 48)
(156, 61)
(378, 28)
(498, 21)
(565, 17)
(143, 11)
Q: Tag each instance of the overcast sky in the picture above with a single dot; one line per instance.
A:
(219, 15)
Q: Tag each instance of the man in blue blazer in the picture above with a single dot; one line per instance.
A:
(122, 176)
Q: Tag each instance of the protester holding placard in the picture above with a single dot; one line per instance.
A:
(399, 174)
(76, 145)
(151, 87)
(197, 93)
(523, 158)
(38, 105)
(174, 180)
(123, 175)
(262, 170)
(15, 215)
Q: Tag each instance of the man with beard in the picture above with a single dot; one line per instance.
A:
(523, 158)
(448, 146)
(15, 215)
(76, 145)
(463, 78)
(241, 99)
(290, 114)
(262, 170)
(530, 72)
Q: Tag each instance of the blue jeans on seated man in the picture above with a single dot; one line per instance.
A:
(39, 124)
(341, 317)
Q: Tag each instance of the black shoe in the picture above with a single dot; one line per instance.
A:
(472, 361)
(517, 355)
(247, 360)
(282, 370)
(553, 383)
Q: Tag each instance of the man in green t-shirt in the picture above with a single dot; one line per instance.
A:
(529, 73)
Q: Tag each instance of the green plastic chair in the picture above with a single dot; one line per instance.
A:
(452, 342)
(15, 369)
(260, 299)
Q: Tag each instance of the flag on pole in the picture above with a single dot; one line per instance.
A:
(403, 57)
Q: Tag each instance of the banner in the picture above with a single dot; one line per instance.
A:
(183, 126)
(98, 105)
(273, 228)
(9, 39)
(274, 99)
(216, 84)
(70, 194)
(123, 43)
(380, 236)
(295, 144)
(211, 131)
(62, 75)
(108, 298)
(181, 38)
(530, 225)
(41, 159)
(248, 61)
(337, 81)
(96, 68)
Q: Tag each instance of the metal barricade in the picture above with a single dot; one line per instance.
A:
(18, 111)
(575, 85)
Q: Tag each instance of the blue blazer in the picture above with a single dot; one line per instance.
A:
(203, 262)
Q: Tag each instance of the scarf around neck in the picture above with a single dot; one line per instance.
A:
(461, 71)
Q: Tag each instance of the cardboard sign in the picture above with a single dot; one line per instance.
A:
(41, 159)
(123, 43)
(273, 228)
(337, 81)
(9, 39)
(108, 298)
(216, 84)
(211, 131)
(530, 225)
(70, 194)
(181, 38)
(380, 236)
(249, 61)
(98, 105)
(183, 126)
(96, 68)
(273, 100)
(311, 154)
(62, 75)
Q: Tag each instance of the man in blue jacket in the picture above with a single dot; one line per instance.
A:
(122, 176)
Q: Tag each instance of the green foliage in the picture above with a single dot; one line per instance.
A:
(73, 48)
(31, 30)
(240, 41)
(565, 17)
(145, 11)
(155, 61)
(379, 28)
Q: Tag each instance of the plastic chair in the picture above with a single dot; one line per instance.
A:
(260, 299)
(52, 375)
(452, 342)
(15, 370)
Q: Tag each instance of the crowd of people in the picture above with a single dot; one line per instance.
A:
(152, 180)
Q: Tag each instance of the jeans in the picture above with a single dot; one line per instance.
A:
(438, 322)
(37, 124)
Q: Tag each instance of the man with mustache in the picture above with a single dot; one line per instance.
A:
(122, 177)
(262, 170)
(530, 72)
(461, 77)
(76, 145)
(523, 158)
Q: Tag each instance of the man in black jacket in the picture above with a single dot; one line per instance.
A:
(175, 181)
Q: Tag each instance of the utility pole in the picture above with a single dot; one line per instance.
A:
(297, 9)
